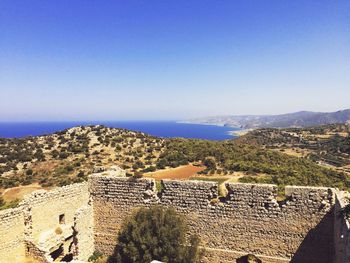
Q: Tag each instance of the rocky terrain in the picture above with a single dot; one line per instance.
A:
(69, 156)
(297, 119)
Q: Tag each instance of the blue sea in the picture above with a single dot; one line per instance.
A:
(164, 129)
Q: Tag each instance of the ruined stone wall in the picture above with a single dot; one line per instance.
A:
(248, 220)
(34, 252)
(341, 229)
(113, 198)
(84, 235)
(43, 208)
(12, 247)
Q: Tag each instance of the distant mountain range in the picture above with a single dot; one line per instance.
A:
(297, 119)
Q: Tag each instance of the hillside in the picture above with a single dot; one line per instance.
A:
(327, 145)
(297, 119)
(70, 155)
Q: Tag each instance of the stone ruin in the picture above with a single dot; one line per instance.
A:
(69, 223)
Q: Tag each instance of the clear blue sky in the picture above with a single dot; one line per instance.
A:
(120, 60)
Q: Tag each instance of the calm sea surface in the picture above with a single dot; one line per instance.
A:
(159, 128)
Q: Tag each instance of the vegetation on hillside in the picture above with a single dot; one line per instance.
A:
(70, 155)
(156, 233)
(327, 145)
(231, 156)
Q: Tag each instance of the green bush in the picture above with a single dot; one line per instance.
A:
(2, 201)
(80, 174)
(95, 257)
(155, 234)
(138, 175)
(7, 205)
(29, 172)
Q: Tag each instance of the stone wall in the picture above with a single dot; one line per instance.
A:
(248, 220)
(341, 229)
(304, 227)
(34, 228)
(84, 235)
(43, 208)
(112, 199)
(34, 252)
(12, 248)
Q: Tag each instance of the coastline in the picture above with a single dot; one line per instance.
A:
(234, 133)
(239, 133)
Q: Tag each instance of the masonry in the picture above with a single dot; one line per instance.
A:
(43, 225)
(72, 222)
(248, 220)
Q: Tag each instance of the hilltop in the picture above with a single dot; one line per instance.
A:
(296, 119)
(68, 156)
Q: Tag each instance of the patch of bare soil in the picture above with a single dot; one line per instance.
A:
(179, 173)
(19, 192)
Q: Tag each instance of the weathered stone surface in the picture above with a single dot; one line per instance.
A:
(84, 235)
(305, 227)
(12, 247)
(32, 228)
(341, 229)
(45, 207)
(248, 220)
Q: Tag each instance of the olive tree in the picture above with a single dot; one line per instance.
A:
(156, 233)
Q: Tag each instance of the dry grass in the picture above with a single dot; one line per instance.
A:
(42, 167)
(19, 192)
(180, 173)
(296, 152)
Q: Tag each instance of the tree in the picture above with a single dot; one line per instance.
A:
(155, 234)
(210, 163)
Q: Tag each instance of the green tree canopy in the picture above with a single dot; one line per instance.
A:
(156, 233)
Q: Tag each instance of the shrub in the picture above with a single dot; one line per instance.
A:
(2, 201)
(80, 174)
(138, 175)
(149, 169)
(159, 186)
(155, 233)
(7, 205)
(63, 155)
(54, 153)
(97, 257)
(210, 163)
(69, 168)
